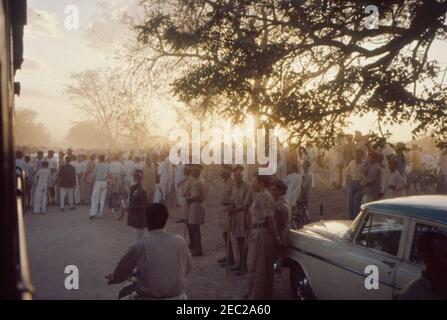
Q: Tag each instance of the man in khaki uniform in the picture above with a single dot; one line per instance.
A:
(239, 228)
(88, 178)
(149, 179)
(223, 212)
(196, 213)
(185, 191)
(263, 240)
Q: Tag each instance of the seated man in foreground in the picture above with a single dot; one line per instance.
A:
(161, 260)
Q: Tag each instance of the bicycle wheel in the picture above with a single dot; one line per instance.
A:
(297, 219)
(430, 184)
(117, 207)
(426, 184)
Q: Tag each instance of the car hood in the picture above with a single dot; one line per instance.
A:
(328, 228)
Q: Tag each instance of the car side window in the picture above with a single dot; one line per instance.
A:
(381, 232)
(420, 229)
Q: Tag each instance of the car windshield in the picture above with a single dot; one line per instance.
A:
(349, 234)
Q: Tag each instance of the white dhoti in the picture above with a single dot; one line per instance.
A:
(77, 191)
(98, 198)
(40, 199)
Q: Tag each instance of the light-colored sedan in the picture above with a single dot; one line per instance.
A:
(372, 257)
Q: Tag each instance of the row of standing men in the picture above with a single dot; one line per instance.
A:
(253, 216)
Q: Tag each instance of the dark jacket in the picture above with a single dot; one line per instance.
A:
(138, 202)
(67, 176)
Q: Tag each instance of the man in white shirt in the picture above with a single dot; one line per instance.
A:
(129, 168)
(354, 177)
(178, 178)
(42, 180)
(163, 171)
(282, 162)
(338, 166)
(428, 161)
(293, 182)
(52, 165)
(395, 182)
(139, 163)
(117, 174)
(101, 175)
(77, 191)
(20, 162)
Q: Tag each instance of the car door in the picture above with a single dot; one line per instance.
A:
(375, 246)
(411, 266)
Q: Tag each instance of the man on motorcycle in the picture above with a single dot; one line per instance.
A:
(162, 261)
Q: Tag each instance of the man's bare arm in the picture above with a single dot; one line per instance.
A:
(125, 267)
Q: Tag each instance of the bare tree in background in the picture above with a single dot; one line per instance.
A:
(28, 131)
(86, 135)
(152, 66)
(118, 110)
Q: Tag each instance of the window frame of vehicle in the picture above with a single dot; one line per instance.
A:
(409, 270)
(358, 257)
(405, 224)
(411, 239)
(352, 234)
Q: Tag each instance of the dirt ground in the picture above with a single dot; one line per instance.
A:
(58, 239)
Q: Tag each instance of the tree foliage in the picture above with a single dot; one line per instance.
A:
(306, 66)
(28, 131)
(85, 134)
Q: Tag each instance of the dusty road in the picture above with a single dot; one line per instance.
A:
(58, 239)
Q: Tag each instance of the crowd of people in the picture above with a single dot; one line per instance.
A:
(391, 171)
(254, 211)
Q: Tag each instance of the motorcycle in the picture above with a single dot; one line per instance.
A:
(128, 290)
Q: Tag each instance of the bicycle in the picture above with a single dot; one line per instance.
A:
(300, 215)
(424, 182)
(119, 205)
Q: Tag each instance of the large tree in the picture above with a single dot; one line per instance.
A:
(307, 66)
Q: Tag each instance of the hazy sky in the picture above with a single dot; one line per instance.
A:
(52, 52)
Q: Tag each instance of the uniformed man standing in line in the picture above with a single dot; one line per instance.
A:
(263, 239)
(149, 179)
(185, 191)
(196, 214)
(88, 178)
(241, 189)
(224, 215)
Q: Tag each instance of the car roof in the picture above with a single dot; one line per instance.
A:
(433, 208)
